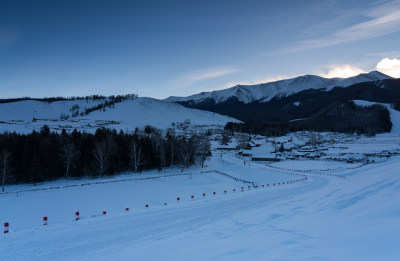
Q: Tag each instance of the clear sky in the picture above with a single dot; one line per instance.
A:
(163, 48)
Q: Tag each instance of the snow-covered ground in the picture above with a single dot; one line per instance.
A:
(315, 165)
(126, 116)
(321, 218)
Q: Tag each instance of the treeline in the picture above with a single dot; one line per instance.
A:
(344, 116)
(396, 105)
(115, 98)
(347, 117)
(109, 102)
(43, 156)
(265, 129)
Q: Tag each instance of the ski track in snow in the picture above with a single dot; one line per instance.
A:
(322, 218)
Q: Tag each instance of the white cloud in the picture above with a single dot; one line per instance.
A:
(342, 71)
(383, 20)
(196, 76)
(389, 66)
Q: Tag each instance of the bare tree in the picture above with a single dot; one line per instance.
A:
(172, 150)
(161, 149)
(202, 148)
(225, 138)
(136, 156)
(185, 153)
(312, 138)
(5, 158)
(242, 141)
(101, 153)
(68, 156)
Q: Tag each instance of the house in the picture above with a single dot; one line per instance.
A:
(307, 149)
(227, 148)
(254, 144)
(265, 157)
(247, 153)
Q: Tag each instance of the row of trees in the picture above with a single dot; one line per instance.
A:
(344, 116)
(265, 129)
(347, 117)
(109, 102)
(116, 98)
(42, 156)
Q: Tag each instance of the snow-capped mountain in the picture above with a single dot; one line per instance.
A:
(27, 115)
(266, 91)
(364, 77)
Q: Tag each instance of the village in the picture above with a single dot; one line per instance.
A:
(306, 145)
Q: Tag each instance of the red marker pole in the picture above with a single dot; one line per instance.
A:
(76, 215)
(147, 206)
(6, 226)
(177, 199)
(204, 194)
(45, 221)
(126, 209)
(213, 193)
(104, 212)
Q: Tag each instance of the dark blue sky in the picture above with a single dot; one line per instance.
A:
(162, 48)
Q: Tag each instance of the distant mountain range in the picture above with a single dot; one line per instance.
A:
(266, 91)
(295, 98)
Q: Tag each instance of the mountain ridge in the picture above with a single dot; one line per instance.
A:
(266, 91)
(301, 104)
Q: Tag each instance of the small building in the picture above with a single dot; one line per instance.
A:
(247, 153)
(265, 157)
(227, 148)
(307, 149)
(254, 144)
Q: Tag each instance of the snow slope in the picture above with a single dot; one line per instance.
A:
(148, 111)
(323, 218)
(27, 110)
(267, 91)
(127, 115)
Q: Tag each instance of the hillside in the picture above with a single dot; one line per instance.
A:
(28, 115)
(302, 104)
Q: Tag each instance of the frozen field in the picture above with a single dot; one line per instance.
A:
(322, 218)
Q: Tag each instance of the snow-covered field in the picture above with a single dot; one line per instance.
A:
(321, 218)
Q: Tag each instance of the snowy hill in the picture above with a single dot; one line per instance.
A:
(267, 91)
(148, 111)
(28, 115)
